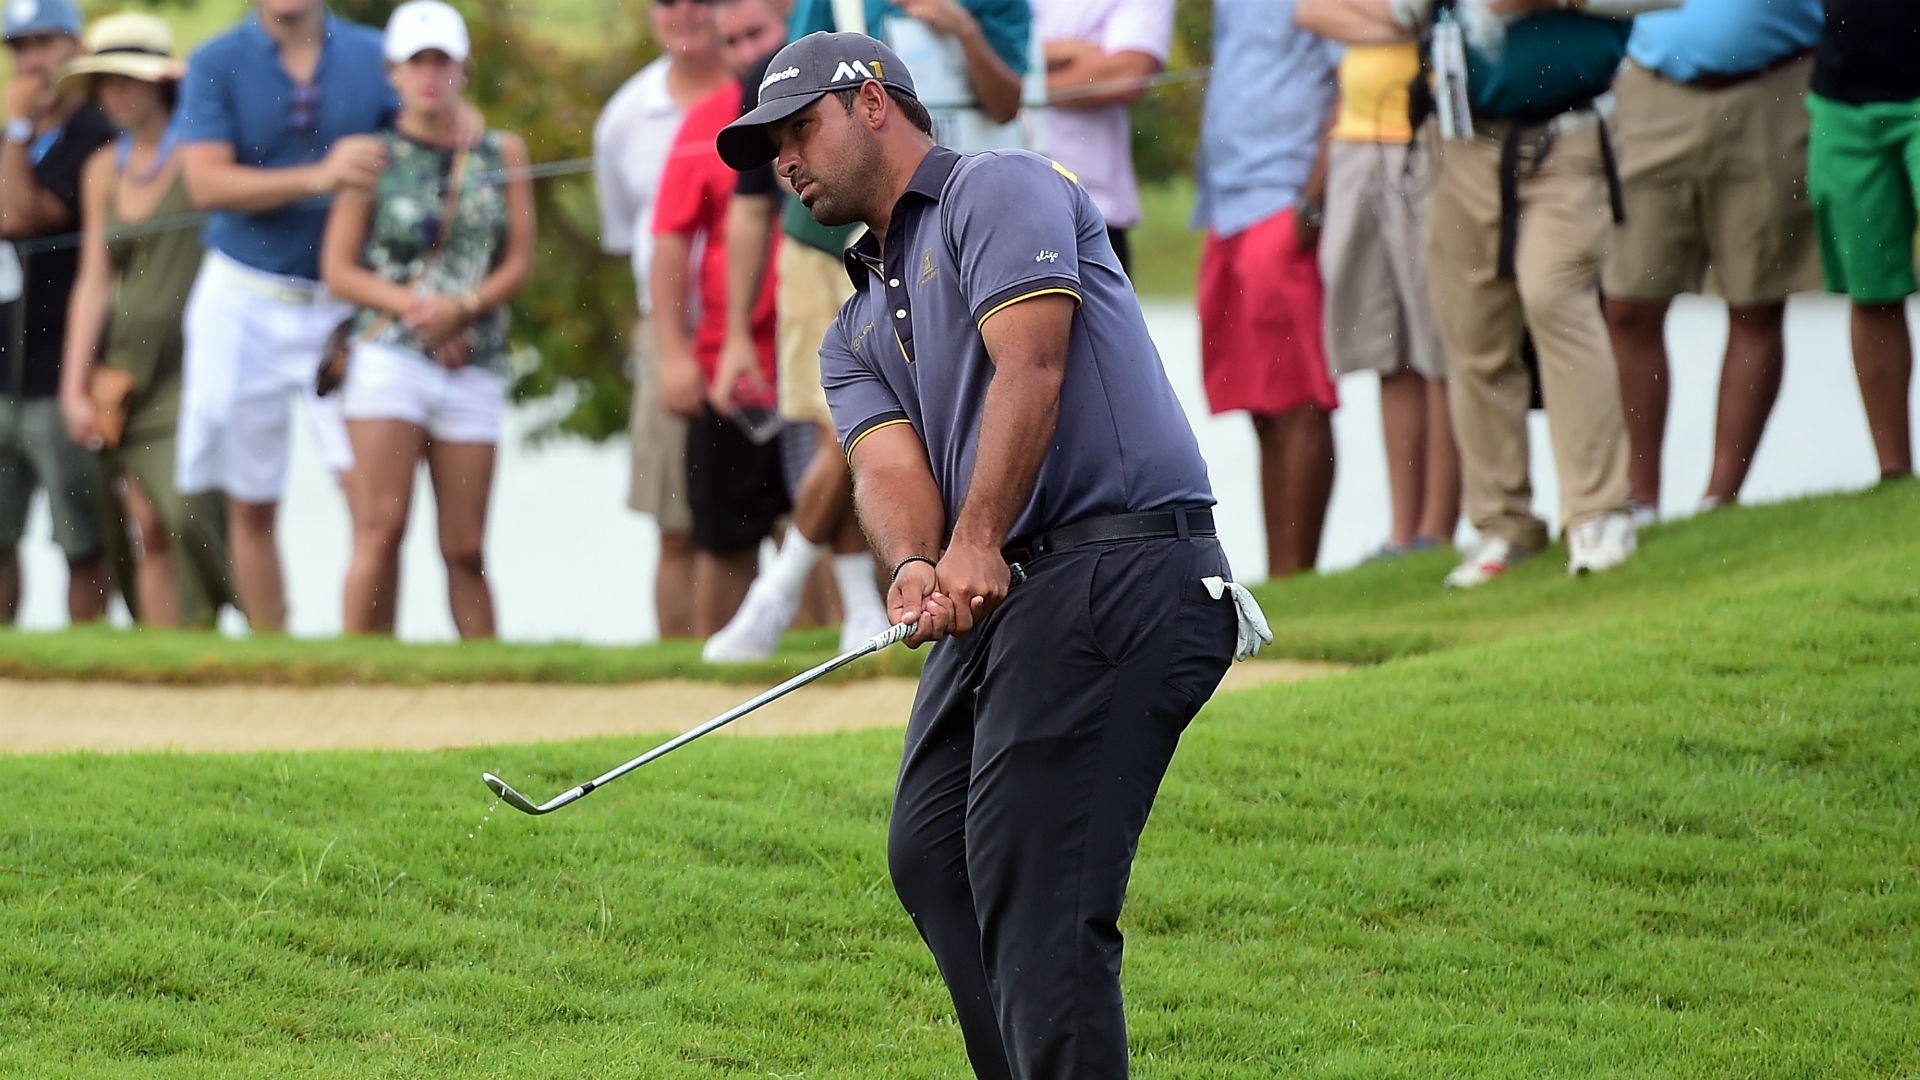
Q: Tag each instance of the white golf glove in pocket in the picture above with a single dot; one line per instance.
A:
(1252, 622)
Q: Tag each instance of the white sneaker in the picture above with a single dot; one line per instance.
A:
(1488, 559)
(754, 632)
(1643, 515)
(857, 631)
(1600, 543)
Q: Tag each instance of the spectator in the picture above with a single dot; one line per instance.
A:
(1517, 227)
(1373, 259)
(1861, 172)
(809, 287)
(1099, 58)
(140, 251)
(275, 114)
(49, 137)
(1261, 176)
(631, 140)
(431, 255)
(735, 488)
(1712, 139)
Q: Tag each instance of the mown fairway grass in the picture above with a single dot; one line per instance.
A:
(1662, 823)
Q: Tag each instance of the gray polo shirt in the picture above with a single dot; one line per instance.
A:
(969, 236)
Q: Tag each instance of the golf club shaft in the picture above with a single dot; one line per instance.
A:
(886, 638)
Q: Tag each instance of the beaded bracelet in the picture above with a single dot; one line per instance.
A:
(902, 565)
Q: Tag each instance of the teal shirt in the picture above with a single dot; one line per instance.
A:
(1552, 62)
(1006, 24)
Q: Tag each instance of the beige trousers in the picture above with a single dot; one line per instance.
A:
(1554, 294)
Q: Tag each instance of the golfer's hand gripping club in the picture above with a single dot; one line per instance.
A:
(887, 638)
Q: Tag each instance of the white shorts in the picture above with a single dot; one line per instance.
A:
(253, 342)
(462, 405)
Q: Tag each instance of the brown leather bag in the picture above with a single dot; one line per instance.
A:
(338, 348)
(112, 392)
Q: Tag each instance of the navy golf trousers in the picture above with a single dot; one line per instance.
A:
(1035, 750)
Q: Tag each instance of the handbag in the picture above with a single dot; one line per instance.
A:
(338, 348)
(112, 392)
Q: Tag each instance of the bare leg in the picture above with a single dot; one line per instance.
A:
(1296, 481)
(1883, 363)
(673, 585)
(1403, 425)
(256, 565)
(154, 579)
(1749, 385)
(462, 475)
(1440, 513)
(720, 582)
(388, 451)
(87, 588)
(9, 586)
(1638, 331)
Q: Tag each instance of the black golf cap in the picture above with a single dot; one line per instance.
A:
(800, 75)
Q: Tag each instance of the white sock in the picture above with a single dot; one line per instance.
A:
(860, 598)
(792, 564)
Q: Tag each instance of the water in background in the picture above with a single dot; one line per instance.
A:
(569, 562)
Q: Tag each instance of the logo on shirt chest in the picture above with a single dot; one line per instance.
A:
(927, 269)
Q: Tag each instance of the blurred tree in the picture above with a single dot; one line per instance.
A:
(1166, 123)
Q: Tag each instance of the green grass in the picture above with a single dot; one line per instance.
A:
(1661, 823)
(191, 657)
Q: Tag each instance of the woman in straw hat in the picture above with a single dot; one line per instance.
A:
(432, 255)
(120, 375)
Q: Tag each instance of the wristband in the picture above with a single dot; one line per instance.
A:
(470, 304)
(20, 130)
(902, 565)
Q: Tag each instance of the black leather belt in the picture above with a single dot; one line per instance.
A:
(1153, 525)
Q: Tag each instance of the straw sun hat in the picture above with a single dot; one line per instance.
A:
(131, 44)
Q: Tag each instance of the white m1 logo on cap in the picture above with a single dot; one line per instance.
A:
(857, 69)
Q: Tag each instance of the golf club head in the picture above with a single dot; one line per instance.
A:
(509, 796)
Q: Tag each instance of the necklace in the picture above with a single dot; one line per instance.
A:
(160, 157)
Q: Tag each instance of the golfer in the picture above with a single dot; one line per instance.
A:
(1023, 468)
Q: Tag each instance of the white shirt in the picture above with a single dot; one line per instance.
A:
(1097, 143)
(631, 140)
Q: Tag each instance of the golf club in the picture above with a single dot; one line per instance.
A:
(893, 635)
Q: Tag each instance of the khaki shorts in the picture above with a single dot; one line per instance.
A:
(1374, 262)
(1713, 177)
(810, 289)
(658, 440)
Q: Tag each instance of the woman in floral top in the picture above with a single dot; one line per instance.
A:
(427, 376)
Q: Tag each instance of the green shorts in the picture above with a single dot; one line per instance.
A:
(1863, 172)
(36, 453)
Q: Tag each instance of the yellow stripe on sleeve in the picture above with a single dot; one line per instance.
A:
(996, 309)
(860, 438)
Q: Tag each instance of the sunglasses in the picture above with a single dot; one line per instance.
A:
(676, 3)
(303, 110)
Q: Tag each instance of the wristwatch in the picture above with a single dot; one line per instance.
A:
(20, 130)
(1310, 212)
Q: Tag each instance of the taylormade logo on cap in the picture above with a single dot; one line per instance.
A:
(779, 76)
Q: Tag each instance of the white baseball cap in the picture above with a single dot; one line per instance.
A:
(419, 25)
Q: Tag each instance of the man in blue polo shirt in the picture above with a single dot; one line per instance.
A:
(1712, 138)
(1023, 467)
(276, 115)
(985, 46)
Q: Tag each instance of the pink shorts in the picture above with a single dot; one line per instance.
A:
(1261, 345)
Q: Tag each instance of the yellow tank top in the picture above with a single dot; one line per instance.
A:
(1373, 93)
